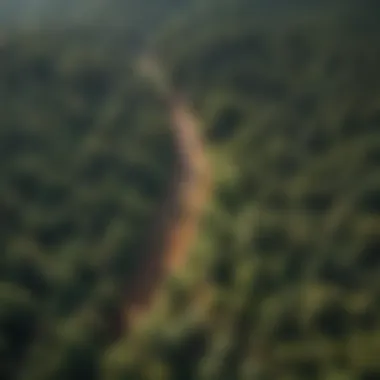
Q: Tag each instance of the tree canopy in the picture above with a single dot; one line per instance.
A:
(288, 252)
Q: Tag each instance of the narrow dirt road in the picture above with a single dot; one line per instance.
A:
(182, 211)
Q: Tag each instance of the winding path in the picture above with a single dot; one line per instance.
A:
(183, 208)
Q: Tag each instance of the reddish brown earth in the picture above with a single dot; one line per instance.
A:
(180, 215)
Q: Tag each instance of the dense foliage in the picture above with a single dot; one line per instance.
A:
(86, 157)
(293, 114)
(289, 247)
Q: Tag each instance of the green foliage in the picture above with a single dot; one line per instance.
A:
(290, 102)
(83, 172)
(293, 109)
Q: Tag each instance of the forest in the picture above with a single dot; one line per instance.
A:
(288, 249)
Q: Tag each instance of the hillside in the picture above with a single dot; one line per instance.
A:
(291, 240)
(86, 159)
(289, 101)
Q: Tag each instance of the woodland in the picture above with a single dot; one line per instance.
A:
(288, 250)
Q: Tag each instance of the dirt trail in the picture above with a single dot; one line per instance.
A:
(181, 212)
